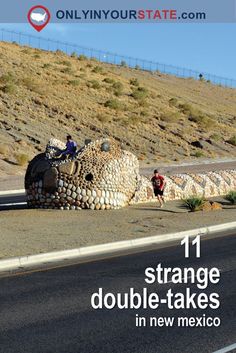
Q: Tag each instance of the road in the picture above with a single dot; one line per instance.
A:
(50, 311)
(12, 201)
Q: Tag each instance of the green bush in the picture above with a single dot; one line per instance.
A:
(216, 137)
(67, 70)
(74, 82)
(231, 197)
(46, 66)
(123, 63)
(194, 203)
(140, 93)
(9, 88)
(82, 57)
(198, 154)
(98, 70)
(170, 117)
(134, 82)
(232, 140)
(173, 102)
(21, 159)
(113, 104)
(109, 80)
(118, 88)
(137, 67)
(7, 78)
(103, 118)
(59, 52)
(33, 85)
(117, 85)
(94, 84)
(74, 55)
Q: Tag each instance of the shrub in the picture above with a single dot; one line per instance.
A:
(65, 63)
(9, 88)
(74, 82)
(109, 80)
(194, 203)
(7, 78)
(103, 118)
(117, 85)
(74, 55)
(82, 57)
(137, 67)
(118, 92)
(46, 66)
(143, 113)
(33, 85)
(94, 84)
(59, 52)
(123, 63)
(67, 70)
(170, 117)
(186, 108)
(231, 197)
(216, 137)
(118, 88)
(198, 154)
(140, 93)
(134, 82)
(36, 56)
(173, 102)
(21, 159)
(232, 140)
(98, 70)
(113, 104)
(196, 116)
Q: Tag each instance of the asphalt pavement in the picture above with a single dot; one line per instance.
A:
(50, 311)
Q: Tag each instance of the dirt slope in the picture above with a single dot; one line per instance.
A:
(158, 117)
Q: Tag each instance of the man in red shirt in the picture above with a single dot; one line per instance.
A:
(159, 183)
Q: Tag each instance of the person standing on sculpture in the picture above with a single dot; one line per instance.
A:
(159, 183)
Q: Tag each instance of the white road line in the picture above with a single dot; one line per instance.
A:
(10, 192)
(226, 349)
(13, 204)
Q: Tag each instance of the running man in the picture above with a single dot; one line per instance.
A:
(159, 183)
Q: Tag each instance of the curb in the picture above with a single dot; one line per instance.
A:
(11, 192)
(24, 262)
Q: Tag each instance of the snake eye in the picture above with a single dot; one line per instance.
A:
(89, 177)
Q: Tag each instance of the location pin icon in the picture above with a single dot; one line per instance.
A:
(38, 17)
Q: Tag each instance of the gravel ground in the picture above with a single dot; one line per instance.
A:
(25, 232)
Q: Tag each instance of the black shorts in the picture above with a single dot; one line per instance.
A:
(158, 192)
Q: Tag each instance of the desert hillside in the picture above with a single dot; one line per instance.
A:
(156, 116)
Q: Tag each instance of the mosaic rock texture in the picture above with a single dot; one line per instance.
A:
(102, 176)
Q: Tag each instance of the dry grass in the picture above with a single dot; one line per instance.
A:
(21, 159)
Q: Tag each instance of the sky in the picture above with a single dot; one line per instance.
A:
(203, 47)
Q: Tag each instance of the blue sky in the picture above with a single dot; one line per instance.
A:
(203, 47)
